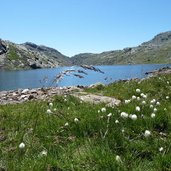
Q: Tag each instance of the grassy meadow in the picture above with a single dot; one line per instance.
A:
(67, 134)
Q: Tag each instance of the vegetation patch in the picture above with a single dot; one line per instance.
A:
(66, 133)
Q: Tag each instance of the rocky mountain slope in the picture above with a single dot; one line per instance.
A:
(29, 56)
(157, 50)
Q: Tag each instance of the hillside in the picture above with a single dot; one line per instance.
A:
(157, 50)
(29, 56)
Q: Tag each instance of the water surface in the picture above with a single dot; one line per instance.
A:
(11, 80)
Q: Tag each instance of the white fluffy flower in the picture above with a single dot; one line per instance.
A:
(54, 109)
(157, 103)
(167, 82)
(161, 149)
(147, 133)
(116, 121)
(50, 104)
(151, 106)
(155, 110)
(124, 114)
(103, 109)
(49, 111)
(153, 101)
(118, 158)
(138, 98)
(138, 90)
(109, 115)
(76, 120)
(167, 97)
(127, 101)
(143, 102)
(134, 97)
(66, 124)
(134, 117)
(137, 109)
(153, 115)
(98, 111)
(43, 153)
(22, 145)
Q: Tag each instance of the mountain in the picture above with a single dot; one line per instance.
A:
(157, 50)
(29, 56)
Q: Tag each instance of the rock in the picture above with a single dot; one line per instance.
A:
(25, 91)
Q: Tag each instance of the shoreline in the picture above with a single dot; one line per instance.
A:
(23, 95)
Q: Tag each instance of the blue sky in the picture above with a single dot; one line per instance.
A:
(77, 26)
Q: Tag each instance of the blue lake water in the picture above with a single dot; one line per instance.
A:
(11, 80)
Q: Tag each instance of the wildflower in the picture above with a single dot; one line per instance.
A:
(49, 111)
(134, 97)
(161, 149)
(22, 145)
(158, 103)
(134, 117)
(123, 130)
(167, 82)
(109, 115)
(76, 120)
(138, 98)
(127, 101)
(167, 97)
(153, 101)
(151, 106)
(138, 90)
(50, 104)
(155, 110)
(118, 159)
(124, 114)
(116, 121)
(54, 109)
(153, 115)
(98, 111)
(43, 153)
(137, 108)
(143, 102)
(142, 94)
(103, 109)
(66, 124)
(165, 109)
(147, 133)
(65, 100)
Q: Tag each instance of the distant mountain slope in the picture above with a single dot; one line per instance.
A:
(29, 56)
(157, 50)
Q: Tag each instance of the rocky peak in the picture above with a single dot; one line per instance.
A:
(159, 39)
(3, 47)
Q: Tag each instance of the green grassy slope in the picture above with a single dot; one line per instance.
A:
(95, 140)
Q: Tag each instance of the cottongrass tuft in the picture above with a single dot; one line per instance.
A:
(161, 149)
(137, 109)
(116, 121)
(118, 158)
(124, 115)
(133, 117)
(109, 115)
(153, 115)
(49, 111)
(134, 97)
(147, 133)
(22, 145)
(76, 120)
(103, 109)
(138, 90)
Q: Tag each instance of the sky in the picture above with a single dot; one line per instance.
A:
(80, 26)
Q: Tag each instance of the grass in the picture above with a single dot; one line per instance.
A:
(12, 53)
(95, 140)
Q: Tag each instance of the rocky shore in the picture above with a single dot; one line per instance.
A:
(22, 95)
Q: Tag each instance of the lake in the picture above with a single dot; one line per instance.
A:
(11, 80)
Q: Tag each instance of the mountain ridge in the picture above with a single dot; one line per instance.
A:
(29, 55)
